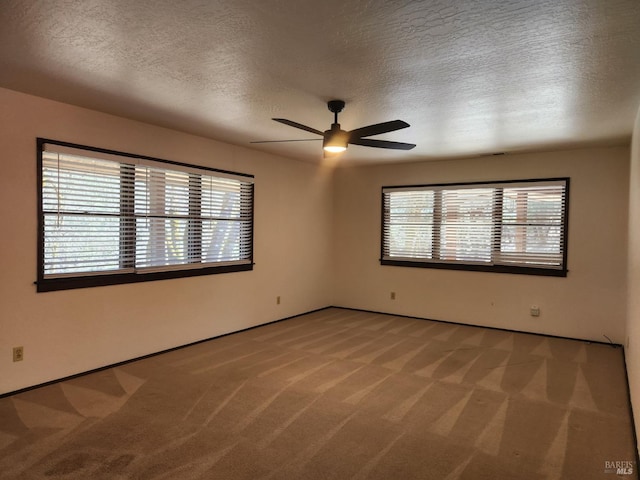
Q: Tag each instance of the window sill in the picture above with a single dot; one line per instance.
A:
(69, 283)
(548, 272)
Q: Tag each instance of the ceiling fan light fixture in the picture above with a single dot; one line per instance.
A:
(335, 140)
(335, 148)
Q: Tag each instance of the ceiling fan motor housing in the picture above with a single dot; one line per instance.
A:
(335, 136)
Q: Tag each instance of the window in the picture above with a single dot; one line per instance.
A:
(109, 217)
(512, 227)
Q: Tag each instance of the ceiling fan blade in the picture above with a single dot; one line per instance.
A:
(367, 142)
(378, 128)
(298, 125)
(280, 141)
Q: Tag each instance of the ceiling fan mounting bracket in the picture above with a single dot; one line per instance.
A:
(335, 106)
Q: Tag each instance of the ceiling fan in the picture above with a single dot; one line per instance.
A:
(336, 140)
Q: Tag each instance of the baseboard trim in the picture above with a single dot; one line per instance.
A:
(124, 362)
(615, 345)
(630, 405)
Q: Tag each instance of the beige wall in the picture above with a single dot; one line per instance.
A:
(633, 318)
(67, 332)
(317, 243)
(589, 303)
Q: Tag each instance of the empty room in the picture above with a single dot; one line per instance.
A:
(320, 240)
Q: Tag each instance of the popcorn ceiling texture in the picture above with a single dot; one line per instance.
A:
(470, 77)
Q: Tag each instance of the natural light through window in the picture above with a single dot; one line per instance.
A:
(514, 227)
(122, 218)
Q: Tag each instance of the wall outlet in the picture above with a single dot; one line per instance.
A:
(393, 295)
(18, 354)
(278, 300)
(534, 311)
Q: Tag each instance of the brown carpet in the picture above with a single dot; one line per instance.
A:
(335, 394)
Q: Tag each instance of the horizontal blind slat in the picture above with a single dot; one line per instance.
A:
(103, 214)
(460, 223)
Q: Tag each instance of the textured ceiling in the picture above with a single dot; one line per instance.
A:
(471, 77)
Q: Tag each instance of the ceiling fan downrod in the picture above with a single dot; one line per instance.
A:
(336, 107)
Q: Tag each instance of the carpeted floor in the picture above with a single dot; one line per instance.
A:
(335, 394)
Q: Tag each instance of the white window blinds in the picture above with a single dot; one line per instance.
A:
(107, 215)
(515, 224)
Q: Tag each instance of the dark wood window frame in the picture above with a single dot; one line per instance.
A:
(46, 283)
(498, 224)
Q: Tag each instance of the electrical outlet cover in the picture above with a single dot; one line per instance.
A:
(18, 354)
